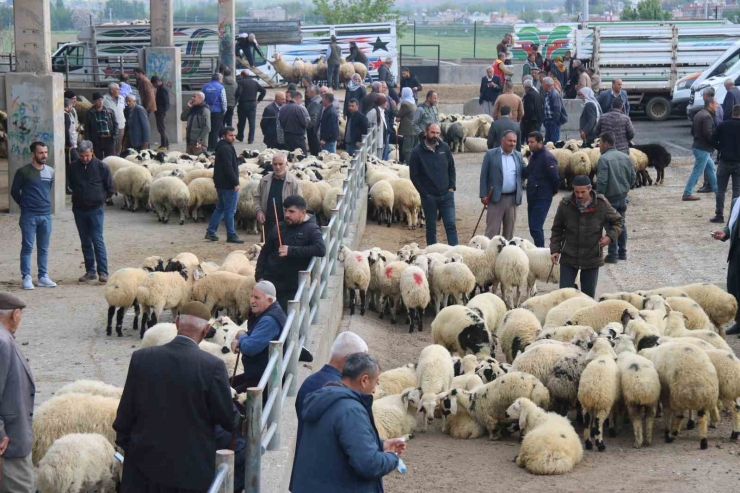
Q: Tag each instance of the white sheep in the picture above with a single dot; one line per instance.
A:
(462, 330)
(728, 375)
(92, 387)
(158, 335)
(218, 291)
(120, 292)
(476, 144)
(390, 288)
(415, 295)
(518, 330)
(163, 290)
(696, 318)
(479, 241)
(246, 207)
(330, 202)
(450, 278)
(480, 262)
(406, 201)
(491, 307)
(381, 197)
(356, 276)
(542, 304)
(168, 194)
(133, 182)
(598, 392)
(541, 360)
(541, 269)
(395, 381)
(564, 333)
(602, 313)
(434, 373)
(634, 299)
(458, 422)
(675, 327)
(202, 192)
(235, 261)
(77, 463)
(197, 173)
(718, 304)
(395, 415)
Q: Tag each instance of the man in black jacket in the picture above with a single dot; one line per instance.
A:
(101, 128)
(727, 142)
(534, 111)
(355, 128)
(731, 99)
(268, 122)
(501, 126)
(163, 105)
(226, 179)
(175, 396)
(432, 170)
(301, 239)
(328, 131)
(385, 75)
(410, 80)
(248, 94)
(91, 184)
(313, 106)
(294, 120)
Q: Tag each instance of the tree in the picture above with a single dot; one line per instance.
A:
(61, 17)
(548, 17)
(355, 11)
(647, 10)
(125, 10)
(81, 17)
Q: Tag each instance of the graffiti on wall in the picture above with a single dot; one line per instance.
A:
(159, 63)
(28, 120)
(226, 43)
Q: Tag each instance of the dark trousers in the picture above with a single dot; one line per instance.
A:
(70, 156)
(725, 171)
(313, 142)
(271, 141)
(90, 228)
(228, 116)
(621, 245)
(134, 481)
(589, 279)
(537, 212)
(445, 204)
(295, 141)
(159, 116)
(332, 76)
(104, 147)
(246, 112)
(527, 128)
(733, 276)
(552, 131)
(283, 297)
(217, 121)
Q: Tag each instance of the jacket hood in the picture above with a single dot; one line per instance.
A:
(319, 402)
(222, 143)
(229, 80)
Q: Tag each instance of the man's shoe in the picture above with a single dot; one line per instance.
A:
(718, 219)
(705, 189)
(690, 198)
(234, 239)
(211, 236)
(88, 277)
(27, 282)
(610, 260)
(735, 329)
(250, 142)
(103, 278)
(623, 256)
(45, 282)
(305, 356)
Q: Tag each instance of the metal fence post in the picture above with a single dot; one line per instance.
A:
(275, 386)
(253, 456)
(294, 335)
(226, 457)
(324, 279)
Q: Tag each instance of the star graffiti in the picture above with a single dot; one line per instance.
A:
(375, 64)
(379, 45)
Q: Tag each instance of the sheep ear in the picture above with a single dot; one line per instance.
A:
(405, 398)
(522, 417)
(668, 308)
(626, 317)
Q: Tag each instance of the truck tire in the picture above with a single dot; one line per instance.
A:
(658, 109)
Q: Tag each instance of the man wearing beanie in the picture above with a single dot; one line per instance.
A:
(101, 128)
(578, 236)
(175, 396)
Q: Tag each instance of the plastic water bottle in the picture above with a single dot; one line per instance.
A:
(401, 466)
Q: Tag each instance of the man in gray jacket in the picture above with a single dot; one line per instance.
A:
(17, 392)
(501, 126)
(426, 114)
(313, 106)
(615, 176)
(333, 60)
(501, 185)
(198, 128)
(277, 185)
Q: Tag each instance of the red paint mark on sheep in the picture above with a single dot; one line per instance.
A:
(388, 272)
(418, 278)
(358, 258)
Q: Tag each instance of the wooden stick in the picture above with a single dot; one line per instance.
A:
(263, 233)
(277, 222)
(490, 191)
(233, 376)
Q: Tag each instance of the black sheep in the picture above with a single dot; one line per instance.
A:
(658, 158)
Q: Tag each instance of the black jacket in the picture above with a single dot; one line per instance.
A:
(385, 75)
(356, 55)
(174, 397)
(225, 167)
(432, 170)
(268, 122)
(162, 99)
(254, 366)
(588, 121)
(412, 82)
(731, 99)
(358, 94)
(727, 139)
(329, 126)
(368, 102)
(542, 176)
(489, 93)
(356, 127)
(534, 108)
(91, 184)
(499, 128)
(248, 90)
(304, 242)
(294, 118)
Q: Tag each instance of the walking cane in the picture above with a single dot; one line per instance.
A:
(557, 263)
(277, 222)
(490, 191)
(233, 376)
(263, 233)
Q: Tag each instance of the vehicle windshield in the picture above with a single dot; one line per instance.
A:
(732, 63)
(72, 54)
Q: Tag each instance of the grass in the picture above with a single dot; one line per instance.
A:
(455, 41)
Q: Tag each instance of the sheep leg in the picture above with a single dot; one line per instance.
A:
(714, 418)
(412, 318)
(144, 318)
(675, 424)
(136, 204)
(363, 296)
(392, 304)
(111, 311)
(691, 424)
(352, 301)
(613, 422)
(420, 318)
(119, 321)
(735, 420)
(182, 216)
(636, 418)
(137, 312)
(579, 413)
(647, 436)
(599, 436)
(381, 307)
(702, 423)
(587, 433)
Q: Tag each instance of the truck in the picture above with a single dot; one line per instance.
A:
(725, 66)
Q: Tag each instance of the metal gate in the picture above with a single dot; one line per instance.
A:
(424, 67)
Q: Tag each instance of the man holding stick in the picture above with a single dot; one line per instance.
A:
(274, 188)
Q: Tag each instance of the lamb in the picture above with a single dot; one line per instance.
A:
(541, 360)
(719, 305)
(541, 305)
(77, 463)
(381, 196)
(512, 271)
(396, 380)
(202, 192)
(158, 335)
(458, 422)
(451, 278)
(633, 299)
(541, 269)
(133, 182)
(599, 391)
(218, 291)
(479, 241)
(356, 276)
(395, 415)
(462, 330)
(164, 290)
(640, 163)
(579, 163)
(550, 445)
(675, 327)
(480, 262)
(72, 413)
(476, 144)
(558, 316)
(602, 313)
(695, 316)
(612, 331)
(377, 259)
(167, 194)
(490, 369)
(491, 307)
(390, 288)
(728, 374)
(518, 330)
(658, 158)
(120, 292)
(643, 334)
(406, 201)
(414, 293)
(434, 373)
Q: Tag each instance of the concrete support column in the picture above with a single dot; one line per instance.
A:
(36, 113)
(161, 18)
(166, 63)
(226, 33)
(33, 36)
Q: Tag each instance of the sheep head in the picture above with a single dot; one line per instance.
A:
(447, 403)
(411, 397)
(601, 347)
(427, 405)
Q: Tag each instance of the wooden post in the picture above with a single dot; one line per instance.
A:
(275, 386)
(253, 459)
(226, 457)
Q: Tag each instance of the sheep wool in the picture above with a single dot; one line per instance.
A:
(133, 182)
(395, 381)
(395, 415)
(406, 201)
(77, 463)
(202, 193)
(491, 307)
(719, 305)
(695, 316)
(640, 387)
(356, 276)
(542, 304)
(518, 330)
(92, 387)
(602, 313)
(168, 194)
(462, 330)
(381, 196)
(414, 293)
(450, 278)
(158, 335)
(512, 271)
(728, 374)
(598, 391)
(434, 373)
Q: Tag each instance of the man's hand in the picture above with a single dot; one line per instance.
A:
(719, 235)
(358, 144)
(583, 135)
(605, 241)
(484, 200)
(235, 342)
(261, 217)
(4, 445)
(395, 445)
(190, 103)
(555, 258)
(283, 251)
(236, 188)
(322, 143)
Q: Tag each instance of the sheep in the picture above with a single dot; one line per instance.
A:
(377, 259)
(164, 290)
(72, 413)
(313, 196)
(381, 196)
(563, 334)
(612, 330)
(406, 201)
(462, 330)
(246, 207)
(491, 307)
(719, 305)
(675, 327)
(114, 164)
(91, 387)
(202, 192)
(346, 71)
(79, 462)
(283, 68)
(728, 375)
(488, 404)
(476, 144)
(665, 292)
(598, 391)
(356, 276)
(451, 278)
(688, 381)
(243, 294)
(644, 334)
(396, 380)
(480, 262)
(120, 292)
(695, 316)
(541, 305)
(158, 335)
(541, 360)
(133, 182)
(640, 386)
(479, 241)
(455, 137)
(168, 194)
(390, 288)
(465, 365)
(235, 261)
(541, 269)
(218, 291)
(640, 163)
(563, 158)
(224, 353)
(415, 295)
(330, 202)
(518, 330)
(550, 445)
(655, 312)
(490, 369)
(658, 158)
(395, 415)
(633, 299)
(197, 173)
(579, 163)
(602, 313)
(512, 271)
(558, 316)
(562, 382)
(434, 373)
(441, 248)
(458, 422)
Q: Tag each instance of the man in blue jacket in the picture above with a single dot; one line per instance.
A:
(542, 186)
(606, 98)
(340, 449)
(216, 101)
(328, 131)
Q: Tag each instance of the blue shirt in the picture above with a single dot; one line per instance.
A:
(508, 168)
(31, 189)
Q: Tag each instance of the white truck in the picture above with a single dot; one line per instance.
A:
(726, 66)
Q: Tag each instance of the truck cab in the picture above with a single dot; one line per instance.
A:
(726, 66)
(70, 59)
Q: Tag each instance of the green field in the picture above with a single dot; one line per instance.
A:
(455, 41)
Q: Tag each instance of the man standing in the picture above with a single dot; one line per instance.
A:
(542, 185)
(410, 80)
(728, 144)
(198, 127)
(137, 124)
(616, 92)
(501, 185)
(536, 83)
(216, 101)
(731, 98)
(595, 80)
(226, 180)
(619, 124)
(163, 106)
(101, 128)
(92, 185)
(490, 88)
(333, 60)
(554, 111)
(577, 239)
(432, 171)
(192, 393)
(294, 120)
(508, 98)
(273, 189)
(116, 103)
(268, 122)
(249, 93)
(328, 131)
(17, 391)
(230, 88)
(503, 47)
(355, 128)
(500, 69)
(426, 114)
(31, 190)
(146, 91)
(340, 449)
(702, 148)
(125, 86)
(732, 232)
(385, 75)
(615, 175)
(501, 126)
(314, 111)
(534, 113)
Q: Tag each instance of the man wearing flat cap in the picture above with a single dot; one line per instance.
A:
(101, 128)
(17, 392)
(174, 397)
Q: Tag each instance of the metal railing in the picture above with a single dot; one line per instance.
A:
(224, 480)
(281, 374)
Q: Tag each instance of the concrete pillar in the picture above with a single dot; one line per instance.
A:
(36, 113)
(166, 63)
(33, 36)
(161, 18)
(226, 33)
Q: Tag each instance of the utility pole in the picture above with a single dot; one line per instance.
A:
(585, 13)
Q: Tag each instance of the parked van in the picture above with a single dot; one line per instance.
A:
(726, 66)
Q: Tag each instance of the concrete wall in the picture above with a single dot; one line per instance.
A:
(450, 73)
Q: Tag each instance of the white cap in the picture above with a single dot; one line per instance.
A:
(243, 35)
(266, 287)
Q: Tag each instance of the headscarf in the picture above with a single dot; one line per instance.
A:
(588, 93)
(559, 64)
(407, 95)
(353, 84)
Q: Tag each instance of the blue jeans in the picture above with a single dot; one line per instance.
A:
(537, 211)
(621, 244)
(330, 147)
(589, 279)
(90, 228)
(332, 76)
(225, 209)
(552, 131)
(387, 148)
(34, 227)
(702, 161)
(445, 204)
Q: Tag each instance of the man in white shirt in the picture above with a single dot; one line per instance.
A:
(116, 103)
(501, 185)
